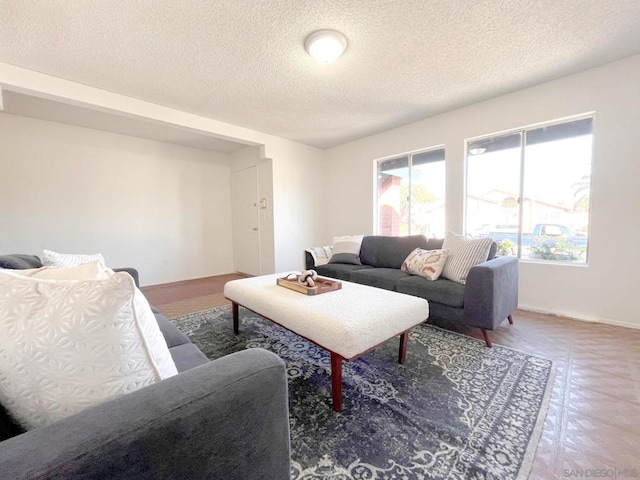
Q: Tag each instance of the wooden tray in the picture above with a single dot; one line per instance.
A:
(323, 285)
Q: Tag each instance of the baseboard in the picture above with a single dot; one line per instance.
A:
(581, 318)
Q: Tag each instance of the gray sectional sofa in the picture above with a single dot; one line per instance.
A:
(226, 418)
(488, 298)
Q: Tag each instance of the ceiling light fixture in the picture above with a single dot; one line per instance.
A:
(477, 150)
(325, 46)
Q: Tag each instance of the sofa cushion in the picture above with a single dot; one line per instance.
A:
(441, 291)
(425, 263)
(435, 243)
(74, 343)
(341, 271)
(389, 252)
(187, 356)
(378, 277)
(19, 261)
(464, 254)
(346, 249)
(172, 335)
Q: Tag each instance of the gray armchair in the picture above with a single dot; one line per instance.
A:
(221, 419)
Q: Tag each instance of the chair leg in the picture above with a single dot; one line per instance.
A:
(510, 319)
(487, 340)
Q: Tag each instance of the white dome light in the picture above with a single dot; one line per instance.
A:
(325, 46)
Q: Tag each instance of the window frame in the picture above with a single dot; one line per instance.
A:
(522, 131)
(409, 155)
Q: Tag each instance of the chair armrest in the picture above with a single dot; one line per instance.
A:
(131, 271)
(225, 419)
(491, 292)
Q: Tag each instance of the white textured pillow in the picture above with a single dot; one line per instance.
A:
(464, 254)
(86, 271)
(68, 259)
(346, 249)
(426, 263)
(67, 345)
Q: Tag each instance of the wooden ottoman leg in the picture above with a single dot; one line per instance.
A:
(402, 354)
(236, 320)
(336, 381)
(486, 338)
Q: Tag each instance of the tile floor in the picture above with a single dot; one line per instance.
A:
(592, 429)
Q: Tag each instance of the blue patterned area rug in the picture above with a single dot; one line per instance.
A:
(454, 410)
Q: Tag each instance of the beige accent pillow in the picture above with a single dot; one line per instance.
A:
(426, 263)
(464, 254)
(346, 249)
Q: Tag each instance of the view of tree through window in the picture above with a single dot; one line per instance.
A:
(411, 194)
(530, 191)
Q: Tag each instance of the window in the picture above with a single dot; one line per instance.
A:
(529, 190)
(410, 194)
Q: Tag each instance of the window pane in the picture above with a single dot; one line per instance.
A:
(546, 209)
(393, 188)
(493, 190)
(556, 191)
(427, 194)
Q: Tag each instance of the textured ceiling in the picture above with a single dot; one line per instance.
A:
(243, 61)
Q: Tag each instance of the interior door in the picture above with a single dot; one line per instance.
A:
(246, 237)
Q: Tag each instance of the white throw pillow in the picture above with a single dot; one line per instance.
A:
(464, 254)
(68, 259)
(70, 344)
(426, 263)
(86, 271)
(346, 249)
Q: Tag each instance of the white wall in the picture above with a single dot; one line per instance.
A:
(298, 170)
(604, 290)
(299, 202)
(162, 208)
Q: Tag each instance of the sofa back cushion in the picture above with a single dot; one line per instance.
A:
(435, 243)
(389, 252)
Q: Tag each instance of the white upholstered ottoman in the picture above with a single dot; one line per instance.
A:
(347, 322)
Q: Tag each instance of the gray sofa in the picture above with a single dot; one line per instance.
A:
(226, 418)
(488, 298)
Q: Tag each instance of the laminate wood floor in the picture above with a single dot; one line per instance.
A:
(592, 429)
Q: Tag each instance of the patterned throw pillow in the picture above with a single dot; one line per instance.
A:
(346, 249)
(426, 263)
(68, 259)
(70, 344)
(464, 254)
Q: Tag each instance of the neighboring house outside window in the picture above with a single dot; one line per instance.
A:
(410, 194)
(530, 190)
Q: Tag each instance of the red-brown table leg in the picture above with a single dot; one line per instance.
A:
(402, 354)
(236, 320)
(336, 381)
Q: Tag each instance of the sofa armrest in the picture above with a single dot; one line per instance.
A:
(225, 419)
(491, 292)
(131, 271)
(309, 261)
